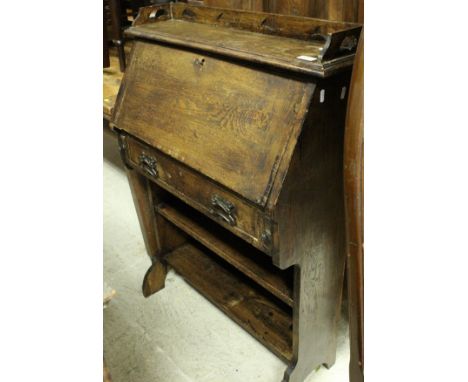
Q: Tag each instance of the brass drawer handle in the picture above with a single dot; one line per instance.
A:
(223, 209)
(148, 164)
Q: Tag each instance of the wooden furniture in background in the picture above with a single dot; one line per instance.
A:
(119, 15)
(111, 79)
(336, 10)
(354, 201)
(113, 31)
(247, 5)
(231, 127)
(105, 46)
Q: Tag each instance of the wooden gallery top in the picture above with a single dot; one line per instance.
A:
(231, 128)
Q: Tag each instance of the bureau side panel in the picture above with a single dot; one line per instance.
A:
(311, 229)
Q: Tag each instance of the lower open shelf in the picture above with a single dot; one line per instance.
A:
(239, 254)
(259, 313)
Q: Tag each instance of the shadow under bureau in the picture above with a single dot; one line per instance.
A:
(230, 125)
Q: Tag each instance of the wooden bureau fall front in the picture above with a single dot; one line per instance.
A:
(231, 125)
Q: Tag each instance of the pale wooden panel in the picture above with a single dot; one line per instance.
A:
(112, 77)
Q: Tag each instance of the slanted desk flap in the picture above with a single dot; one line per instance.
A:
(230, 122)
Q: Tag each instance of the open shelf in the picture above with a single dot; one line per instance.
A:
(247, 259)
(263, 316)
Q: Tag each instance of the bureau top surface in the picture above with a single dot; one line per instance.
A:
(232, 120)
(299, 44)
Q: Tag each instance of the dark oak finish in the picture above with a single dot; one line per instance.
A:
(156, 274)
(248, 5)
(354, 198)
(240, 256)
(338, 10)
(253, 310)
(235, 152)
(310, 220)
(105, 47)
(241, 117)
(197, 190)
(157, 242)
(216, 30)
(113, 30)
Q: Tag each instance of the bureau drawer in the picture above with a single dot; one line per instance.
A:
(231, 211)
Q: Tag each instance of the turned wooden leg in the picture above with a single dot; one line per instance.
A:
(317, 294)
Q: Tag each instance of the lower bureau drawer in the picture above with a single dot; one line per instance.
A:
(231, 211)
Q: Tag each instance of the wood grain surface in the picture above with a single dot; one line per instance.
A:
(227, 121)
(250, 5)
(246, 305)
(276, 40)
(339, 10)
(270, 47)
(197, 191)
(310, 220)
(157, 241)
(354, 199)
(250, 261)
(266, 142)
(111, 79)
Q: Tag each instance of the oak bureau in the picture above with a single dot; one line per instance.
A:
(230, 126)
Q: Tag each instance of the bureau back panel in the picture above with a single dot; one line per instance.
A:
(231, 122)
